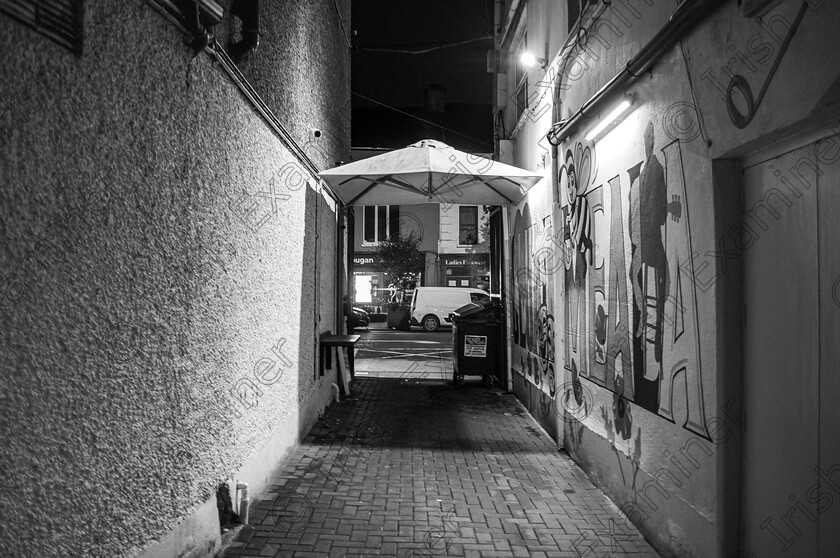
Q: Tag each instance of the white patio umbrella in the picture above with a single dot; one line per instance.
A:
(429, 172)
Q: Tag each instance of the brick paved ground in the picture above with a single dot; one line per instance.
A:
(408, 468)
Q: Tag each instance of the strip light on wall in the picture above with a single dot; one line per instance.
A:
(611, 118)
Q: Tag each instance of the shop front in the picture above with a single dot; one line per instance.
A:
(371, 288)
(466, 270)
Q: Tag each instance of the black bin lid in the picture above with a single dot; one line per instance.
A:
(486, 310)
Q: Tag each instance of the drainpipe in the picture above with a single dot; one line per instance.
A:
(350, 216)
(497, 22)
(244, 501)
(248, 12)
(200, 34)
(508, 286)
(341, 287)
(316, 280)
(688, 15)
(497, 111)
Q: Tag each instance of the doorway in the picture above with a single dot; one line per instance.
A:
(790, 238)
(362, 289)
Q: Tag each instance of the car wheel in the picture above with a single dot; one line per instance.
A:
(431, 323)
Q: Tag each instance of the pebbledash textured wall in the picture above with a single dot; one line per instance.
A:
(165, 268)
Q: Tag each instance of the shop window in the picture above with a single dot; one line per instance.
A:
(380, 222)
(468, 225)
(58, 20)
(363, 288)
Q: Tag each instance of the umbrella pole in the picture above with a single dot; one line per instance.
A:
(430, 185)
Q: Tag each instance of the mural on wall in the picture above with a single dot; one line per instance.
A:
(738, 83)
(631, 319)
(576, 175)
(533, 301)
(649, 209)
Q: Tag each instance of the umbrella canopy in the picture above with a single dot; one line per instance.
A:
(429, 172)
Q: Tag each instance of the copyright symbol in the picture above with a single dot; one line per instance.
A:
(435, 540)
(126, 342)
(575, 400)
(679, 122)
(411, 223)
(292, 512)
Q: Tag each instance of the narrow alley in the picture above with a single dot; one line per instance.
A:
(408, 467)
(485, 278)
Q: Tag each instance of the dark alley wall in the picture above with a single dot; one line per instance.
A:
(675, 277)
(166, 264)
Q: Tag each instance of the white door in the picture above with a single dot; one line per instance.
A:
(791, 248)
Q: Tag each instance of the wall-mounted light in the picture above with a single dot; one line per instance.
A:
(610, 119)
(529, 60)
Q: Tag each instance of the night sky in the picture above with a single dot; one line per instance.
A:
(400, 80)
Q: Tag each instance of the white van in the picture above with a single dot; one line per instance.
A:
(430, 306)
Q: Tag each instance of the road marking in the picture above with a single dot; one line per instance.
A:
(400, 352)
(412, 355)
(418, 341)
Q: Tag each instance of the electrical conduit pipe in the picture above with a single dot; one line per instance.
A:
(686, 16)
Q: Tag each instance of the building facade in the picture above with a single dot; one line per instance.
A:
(169, 259)
(453, 238)
(674, 279)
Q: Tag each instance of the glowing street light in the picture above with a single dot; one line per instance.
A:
(529, 60)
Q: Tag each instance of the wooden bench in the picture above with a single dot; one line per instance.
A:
(328, 341)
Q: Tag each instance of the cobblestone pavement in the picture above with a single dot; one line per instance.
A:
(419, 468)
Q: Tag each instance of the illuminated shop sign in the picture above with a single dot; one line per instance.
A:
(467, 260)
(364, 260)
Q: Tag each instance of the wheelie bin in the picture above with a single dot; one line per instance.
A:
(476, 341)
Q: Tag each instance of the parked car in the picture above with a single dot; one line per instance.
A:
(359, 318)
(431, 306)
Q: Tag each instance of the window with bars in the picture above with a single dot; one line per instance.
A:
(380, 222)
(59, 20)
(468, 225)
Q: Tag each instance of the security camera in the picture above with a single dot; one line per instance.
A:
(315, 134)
